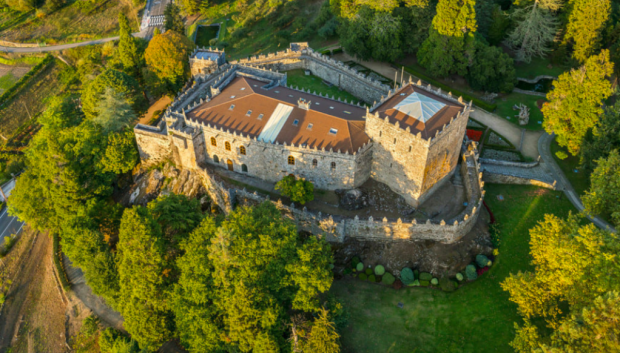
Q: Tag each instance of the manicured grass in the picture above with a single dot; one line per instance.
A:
(478, 317)
(204, 34)
(538, 66)
(580, 180)
(505, 104)
(7, 81)
(297, 78)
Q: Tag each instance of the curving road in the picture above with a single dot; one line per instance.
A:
(141, 34)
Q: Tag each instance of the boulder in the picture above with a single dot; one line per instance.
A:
(353, 199)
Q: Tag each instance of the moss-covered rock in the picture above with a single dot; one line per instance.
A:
(425, 283)
(434, 281)
(368, 272)
(459, 277)
(471, 272)
(483, 261)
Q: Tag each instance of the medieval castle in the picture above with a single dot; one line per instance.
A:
(243, 116)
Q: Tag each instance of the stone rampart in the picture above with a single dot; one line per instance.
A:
(499, 178)
(509, 163)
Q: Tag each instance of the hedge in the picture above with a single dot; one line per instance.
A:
(425, 276)
(482, 104)
(11, 92)
(60, 268)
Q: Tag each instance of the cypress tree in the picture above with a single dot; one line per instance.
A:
(450, 46)
(128, 48)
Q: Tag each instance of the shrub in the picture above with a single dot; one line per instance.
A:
(434, 281)
(471, 273)
(481, 271)
(561, 155)
(113, 341)
(372, 278)
(388, 279)
(359, 267)
(397, 285)
(379, 270)
(424, 283)
(447, 285)
(368, 272)
(416, 274)
(354, 261)
(363, 276)
(415, 283)
(299, 190)
(406, 275)
(213, 42)
(459, 276)
(425, 276)
(482, 261)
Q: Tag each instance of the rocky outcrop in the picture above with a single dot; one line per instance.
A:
(354, 199)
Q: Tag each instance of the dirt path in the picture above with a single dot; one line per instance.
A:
(161, 104)
(33, 316)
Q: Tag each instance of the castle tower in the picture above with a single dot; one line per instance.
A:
(417, 135)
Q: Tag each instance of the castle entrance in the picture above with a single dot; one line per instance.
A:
(230, 165)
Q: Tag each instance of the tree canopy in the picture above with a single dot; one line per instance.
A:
(119, 82)
(535, 30)
(603, 197)
(173, 19)
(299, 190)
(128, 49)
(166, 57)
(586, 23)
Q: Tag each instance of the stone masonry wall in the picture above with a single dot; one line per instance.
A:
(153, 143)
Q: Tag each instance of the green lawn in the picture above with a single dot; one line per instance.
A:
(7, 81)
(297, 78)
(538, 66)
(505, 104)
(579, 180)
(477, 317)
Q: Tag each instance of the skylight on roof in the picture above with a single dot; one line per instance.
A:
(309, 127)
(277, 91)
(317, 103)
(290, 95)
(296, 122)
(419, 106)
(248, 113)
(232, 106)
(232, 96)
(333, 131)
(331, 107)
(260, 117)
(243, 88)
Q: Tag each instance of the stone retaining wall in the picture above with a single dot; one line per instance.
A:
(498, 178)
(509, 163)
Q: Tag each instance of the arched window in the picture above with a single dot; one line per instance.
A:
(213, 142)
(291, 160)
(229, 163)
(314, 163)
(227, 145)
(244, 168)
(215, 158)
(242, 150)
(333, 165)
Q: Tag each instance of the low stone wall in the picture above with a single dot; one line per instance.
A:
(497, 178)
(536, 79)
(509, 163)
(531, 93)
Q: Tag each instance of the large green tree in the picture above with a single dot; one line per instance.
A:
(586, 22)
(121, 83)
(572, 293)
(113, 112)
(166, 57)
(128, 49)
(492, 70)
(535, 30)
(603, 197)
(449, 49)
(173, 19)
(604, 138)
(321, 336)
(575, 102)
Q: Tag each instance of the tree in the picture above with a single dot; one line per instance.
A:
(603, 197)
(191, 7)
(498, 27)
(121, 154)
(354, 34)
(574, 266)
(128, 51)
(166, 57)
(492, 70)
(586, 22)
(575, 102)
(322, 337)
(55, 4)
(449, 48)
(173, 21)
(416, 22)
(604, 138)
(385, 33)
(299, 190)
(22, 5)
(536, 28)
(121, 83)
(113, 112)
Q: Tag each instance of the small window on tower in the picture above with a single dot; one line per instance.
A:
(333, 165)
(394, 141)
(314, 163)
(227, 146)
(291, 160)
(213, 141)
(410, 148)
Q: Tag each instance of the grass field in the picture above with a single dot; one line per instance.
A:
(505, 104)
(297, 78)
(539, 66)
(478, 317)
(71, 24)
(7, 81)
(580, 180)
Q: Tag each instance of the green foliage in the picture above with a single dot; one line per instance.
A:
(191, 7)
(498, 27)
(492, 70)
(379, 270)
(173, 19)
(363, 276)
(121, 84)
(368, 271)
(535, 29)
(323, 337)
(425, 283)
(561, 155)
(406, 275)
(388, 279)
(299, 190)
(602, 139)
(121, 154)
(359, 267)
(459, 276)
(447, 285)
(354, 261)
(166, 58)
(585, 24)
(425, 276)
(434, 281)
(415, 283)
(603, 197)
(128, 50)
(574, 104)
(372, 278)
(482, 261)
(113, 112)
(113, 341)
(471, 273)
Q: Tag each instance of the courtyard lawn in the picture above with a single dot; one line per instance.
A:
(505, 104)
(580, 180)
(538, 66)
(478, 317)
(204, 34)
(297, 78)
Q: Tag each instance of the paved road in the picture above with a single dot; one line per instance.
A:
(65, 46)
(545, 152)
(8, 225)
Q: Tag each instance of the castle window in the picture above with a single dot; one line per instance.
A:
(410, 148)
(216, 158)
(295, 122)
(394, 141)
(291, 160)
(227, 145)
(333, 131)
(380, 132)
(242, 150)
(213, 141)
(260, 116)
(347, 112)
(232, 106)
(244, 168)
(390, 165)
(248, 113)
(232, 96)
(314, 163)
(309, 127)
(333, 165)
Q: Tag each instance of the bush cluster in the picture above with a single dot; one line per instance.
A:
(407, 276)
(425, 276)
(471, 272)
(388, 279)
(379, 270)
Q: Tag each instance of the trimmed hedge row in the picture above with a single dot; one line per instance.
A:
(11, 92)
(482, 104)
